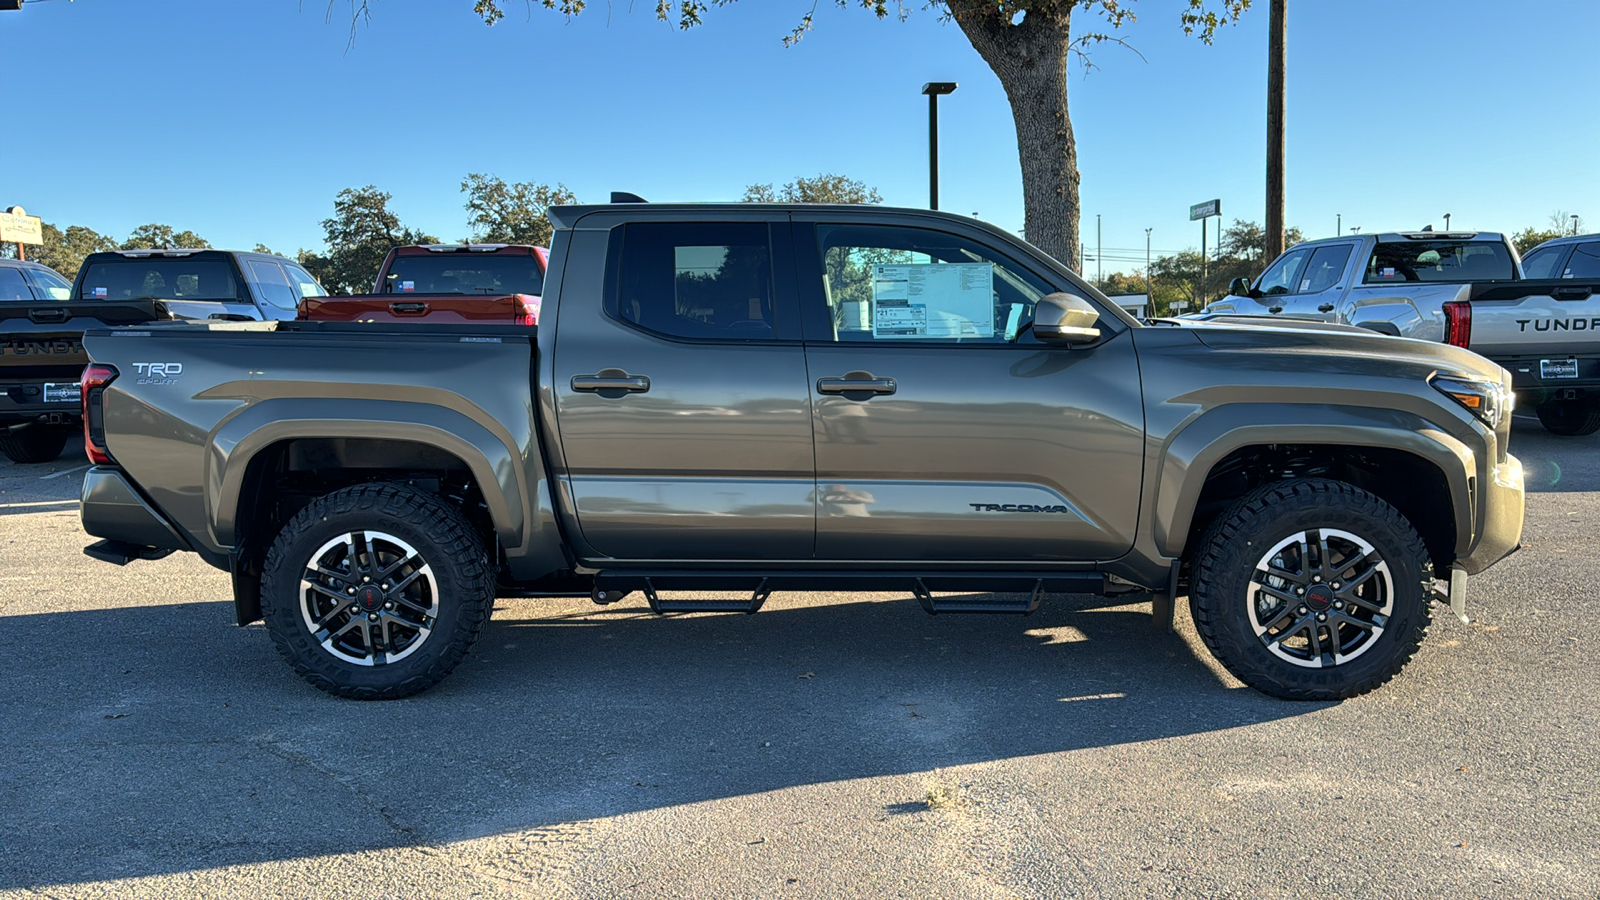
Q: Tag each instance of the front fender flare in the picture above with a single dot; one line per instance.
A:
(238, 439)
(1191, 453)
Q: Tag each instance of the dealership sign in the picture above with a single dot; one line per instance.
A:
(1205, 210)
(16, 225)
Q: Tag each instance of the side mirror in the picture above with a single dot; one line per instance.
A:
(1064, 319)
(1239, 288)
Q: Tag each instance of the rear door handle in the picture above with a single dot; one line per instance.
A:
(856, 382)
(611, 380)
(1326, 307)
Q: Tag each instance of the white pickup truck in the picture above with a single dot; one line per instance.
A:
(1462, 288)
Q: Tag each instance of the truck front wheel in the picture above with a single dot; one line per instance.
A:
(1311, 590)
(1570, 418)
(376, 592)
(35, 443)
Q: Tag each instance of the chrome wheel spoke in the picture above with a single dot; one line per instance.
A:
(1286, 618)
(357, 615)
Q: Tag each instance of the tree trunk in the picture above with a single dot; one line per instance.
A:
(1030, 59)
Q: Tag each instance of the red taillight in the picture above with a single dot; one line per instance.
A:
(530, 310)
(1458, 323)
(93, 386)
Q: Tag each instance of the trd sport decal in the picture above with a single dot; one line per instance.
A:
(1018, 507)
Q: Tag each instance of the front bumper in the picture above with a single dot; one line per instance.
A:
(1500, 528)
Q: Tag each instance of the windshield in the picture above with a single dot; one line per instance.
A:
(1448, 261)
(464, 273)
(158, 278)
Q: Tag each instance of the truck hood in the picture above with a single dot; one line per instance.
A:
(1313, 338)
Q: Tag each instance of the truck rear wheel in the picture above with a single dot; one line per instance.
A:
(376, 592)
(35, 443)
(1311, 590)
(1570, 418)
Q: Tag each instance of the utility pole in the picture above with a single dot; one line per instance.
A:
(1275, 73)
(1099, 254)
(1147, 288)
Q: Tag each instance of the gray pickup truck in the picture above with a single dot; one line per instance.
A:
(748, 398)
(1462, 288)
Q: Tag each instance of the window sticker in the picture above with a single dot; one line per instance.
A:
(408, 286)
(100, 293)
(1386, 272)
(1305, 285)
(933, 300)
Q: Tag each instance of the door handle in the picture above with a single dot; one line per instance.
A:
(1570, 293)
(409, 308)
(856, 383)
(1274, 309)
(611, 380)
(1326, 307)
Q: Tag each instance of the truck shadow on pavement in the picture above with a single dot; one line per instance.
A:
(160, 740)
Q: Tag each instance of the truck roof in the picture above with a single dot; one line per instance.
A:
(565, 216)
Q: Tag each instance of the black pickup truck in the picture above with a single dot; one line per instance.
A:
(42, 358)
(750, 398)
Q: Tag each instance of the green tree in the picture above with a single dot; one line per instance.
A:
(263, 248)
(1028, 44)
(65, 251)
(1560, 224)
(826, 188)
(1240, 253)
(160, 237)
(360, 233)
(504, 213)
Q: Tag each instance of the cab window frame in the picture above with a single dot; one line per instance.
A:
(816, 314)
(780, 271)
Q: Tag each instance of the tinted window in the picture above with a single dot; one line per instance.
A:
(464, 272)
(159, 278)
(273, 285)
(1584, 262)
(1327, 265)
(888, 283)
(50, 285)
(697, 281)
(1284, 275)
(1448, 261)
(304, 284)
(13, 286)
(1542, 263)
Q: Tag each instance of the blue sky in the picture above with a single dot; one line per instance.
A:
(242, 120)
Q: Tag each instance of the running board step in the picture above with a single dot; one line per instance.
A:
(934, 606)
(660, 605)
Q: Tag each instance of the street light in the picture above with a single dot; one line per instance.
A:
(1446, 221)
(933, 89)
(1574, 224)
(1150, 292)
(1355, 229)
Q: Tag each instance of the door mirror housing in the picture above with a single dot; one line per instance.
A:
(1065, 319)
(1239, 288)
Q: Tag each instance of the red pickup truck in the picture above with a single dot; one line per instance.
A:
(442, 283)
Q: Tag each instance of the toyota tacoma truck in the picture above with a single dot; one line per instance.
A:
(739, 399)
(1462, 288)
(42, 358)
(445, 283)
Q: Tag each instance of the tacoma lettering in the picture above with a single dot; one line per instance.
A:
(1018, 507)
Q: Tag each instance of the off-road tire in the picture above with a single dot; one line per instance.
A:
(1570, 418)
(1223, 593)
(36, 443)
(445, 543)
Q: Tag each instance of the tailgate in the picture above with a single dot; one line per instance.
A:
(45, 340)
(1546, 318)
(437, 309)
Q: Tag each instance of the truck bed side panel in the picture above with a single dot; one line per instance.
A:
(186, 436)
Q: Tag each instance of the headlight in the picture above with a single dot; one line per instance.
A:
(1490, 401)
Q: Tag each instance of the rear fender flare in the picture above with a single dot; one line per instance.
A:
(238, 440)
(1191, 453)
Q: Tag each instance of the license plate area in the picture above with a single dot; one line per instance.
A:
(62, 392)
(1555, 369)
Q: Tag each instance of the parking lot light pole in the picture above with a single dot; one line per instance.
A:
(1574, 224)
(1446, 221)
(933, 89)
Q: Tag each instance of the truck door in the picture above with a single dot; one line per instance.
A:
(681, 393)
(944, 430)
(1310, 282)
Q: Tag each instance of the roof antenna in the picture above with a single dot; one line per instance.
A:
(625, 197)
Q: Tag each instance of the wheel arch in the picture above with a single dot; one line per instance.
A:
(1408, 462)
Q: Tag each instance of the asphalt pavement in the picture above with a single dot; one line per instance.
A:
(834, 745)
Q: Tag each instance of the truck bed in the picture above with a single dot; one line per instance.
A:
(435, 309)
